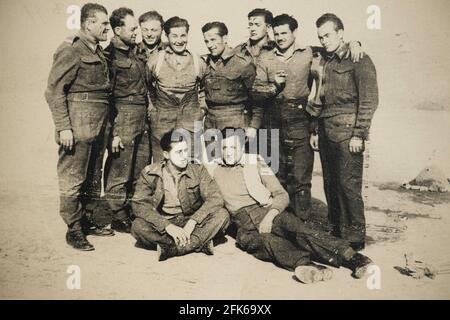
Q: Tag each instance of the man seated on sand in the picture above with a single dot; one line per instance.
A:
(178, 207)
(257, 203)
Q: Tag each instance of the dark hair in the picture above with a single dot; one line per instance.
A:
(338, 25)
(285, 19)
(171, 137)
(175, 22)
(268, 16)
(89, 10)
(223, 30)
(151, 15)
(118, 15)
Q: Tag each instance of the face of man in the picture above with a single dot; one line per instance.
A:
(284, 37)
(98, 26)
(178, 39)
(258, 28)
(178, 155)
(232, 149)
(329, 37)
(214, 42)
(129, 31)
(151, 32)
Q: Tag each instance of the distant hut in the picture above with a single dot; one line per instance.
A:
(429, 179)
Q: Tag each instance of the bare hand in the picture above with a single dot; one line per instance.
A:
(189, 227)
(178, 235)
(266, 224)
(66, 139)
(250, 132)
(355, 51)
(116, 145)
(280, 78)
(314, 142)
(356, 145)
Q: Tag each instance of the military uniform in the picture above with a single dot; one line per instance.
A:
(78, 95)
(349, 97)
(286, 111)
(128, 74)
(228, 85)
(178, 101)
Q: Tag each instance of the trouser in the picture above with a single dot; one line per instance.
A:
(79, 170)
(296, 156)
(166, 119)
(291, 243)
(342, 177)
(214, 223)
(122, 169)
(220, 117)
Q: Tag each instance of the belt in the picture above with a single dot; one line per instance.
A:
(89, 96)
(135, 99)
(212, 105)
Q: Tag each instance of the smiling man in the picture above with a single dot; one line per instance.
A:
(228, 84)
(129, 150)
(176, 75)
(78, 93)
(151, 24)
(178, 206)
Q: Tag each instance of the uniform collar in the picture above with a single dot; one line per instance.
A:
(89, 42)
(339, 53)
(169, 50)
(296, 48)
(119, 44)
(156, 169)
(266, 44)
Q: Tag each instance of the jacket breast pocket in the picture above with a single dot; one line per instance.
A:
(123, 69)
(343, 80)
(92, 70)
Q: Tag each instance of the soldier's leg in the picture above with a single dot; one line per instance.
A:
(322, 246)
(350, 173)
(267, 246)
(302, 162)
(328, 159)
(148, 236)
(72, 171)
(96, 208)
(216, 222)
(141, 158)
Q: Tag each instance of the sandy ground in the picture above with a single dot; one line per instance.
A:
(35, 258)
(410, 131)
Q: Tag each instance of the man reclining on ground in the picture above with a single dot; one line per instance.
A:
(257, 202)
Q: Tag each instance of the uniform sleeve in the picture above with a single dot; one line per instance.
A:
(62, 74)
(271, 182)
(367, 87)
(210, 193)
(201, 90)
(263, 89)
(143, 207)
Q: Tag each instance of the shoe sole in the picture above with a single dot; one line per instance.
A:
(308, 275)
(361, 271)
(82, 249)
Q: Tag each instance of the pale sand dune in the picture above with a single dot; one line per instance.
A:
(410, 130)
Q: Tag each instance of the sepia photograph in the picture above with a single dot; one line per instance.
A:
(225, 150)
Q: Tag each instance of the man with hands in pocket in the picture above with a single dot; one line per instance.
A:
(178, 207)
